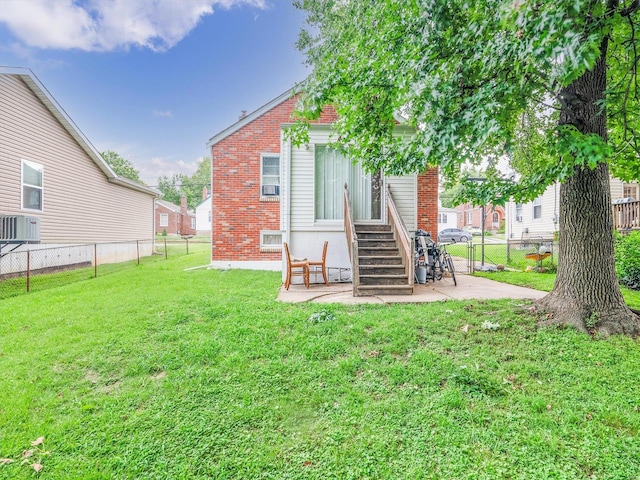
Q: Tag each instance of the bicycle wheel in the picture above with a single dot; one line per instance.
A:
(449, 264)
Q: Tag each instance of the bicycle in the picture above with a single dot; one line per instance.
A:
(433, 257)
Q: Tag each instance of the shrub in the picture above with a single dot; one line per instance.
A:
(164, 232)
(628, 259)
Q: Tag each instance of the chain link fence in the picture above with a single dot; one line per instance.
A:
(514, 255)
(28, 268)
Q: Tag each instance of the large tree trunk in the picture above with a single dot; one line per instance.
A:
(586, 293)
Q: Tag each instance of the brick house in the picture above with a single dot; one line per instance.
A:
(471, 216)
(266, 191)
(174, 219)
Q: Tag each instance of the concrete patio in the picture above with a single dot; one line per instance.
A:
(469, 288)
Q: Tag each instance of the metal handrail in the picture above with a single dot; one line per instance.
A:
(352, 240)
(402, 236)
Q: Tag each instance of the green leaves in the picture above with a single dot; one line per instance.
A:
(463, 74)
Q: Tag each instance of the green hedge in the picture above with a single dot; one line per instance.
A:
(628, 259)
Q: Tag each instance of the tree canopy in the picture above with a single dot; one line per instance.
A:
(191, 186)
(121, 166)
(468, 75)
(552, 87)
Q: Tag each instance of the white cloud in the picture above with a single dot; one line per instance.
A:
(156, 167)
(160, 113)
(105, 25)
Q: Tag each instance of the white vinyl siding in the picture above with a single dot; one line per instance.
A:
(80, 203)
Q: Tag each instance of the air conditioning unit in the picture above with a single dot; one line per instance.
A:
(518, 218)
(19, 229)
(270, 190)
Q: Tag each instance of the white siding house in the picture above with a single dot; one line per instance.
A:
(203, 217)
(540, 217)
(447, 218)
(50, 171)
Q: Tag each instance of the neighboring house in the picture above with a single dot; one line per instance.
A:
(540, 217)
(203, 214)
(174, 219)
(447, 218)
(51, 175)
(470, 216)
(266, 191)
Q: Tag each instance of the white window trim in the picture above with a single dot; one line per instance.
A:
(35, 166)
(165, 215)
(278, 185)
(271, 247)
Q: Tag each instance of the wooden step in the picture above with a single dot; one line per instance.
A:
(374, 234)
(377, 269)
(372, 227)
(370, 290)
(380, 260)
(377, 251)
(383, 279)
(376, 242)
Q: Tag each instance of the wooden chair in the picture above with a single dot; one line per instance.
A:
(318, 266)
(296, 267)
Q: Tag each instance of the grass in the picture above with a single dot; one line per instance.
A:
(160, 372)
(544, 282)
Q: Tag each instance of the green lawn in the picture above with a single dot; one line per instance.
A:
(158, 372)
(544, 282)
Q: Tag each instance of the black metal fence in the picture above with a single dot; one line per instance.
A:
(38, 267)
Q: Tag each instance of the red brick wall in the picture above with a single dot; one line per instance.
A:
(428, 201)
(238, 213)
(174, 221)
(178, 224)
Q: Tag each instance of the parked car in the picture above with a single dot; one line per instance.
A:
(473, 230)
(453, 235)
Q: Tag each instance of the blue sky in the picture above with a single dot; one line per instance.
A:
(154, 79)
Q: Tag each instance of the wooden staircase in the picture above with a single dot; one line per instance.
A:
(381, 270)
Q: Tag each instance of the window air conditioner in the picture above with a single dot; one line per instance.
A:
(518, 218)
(19, 229)
(270, 190)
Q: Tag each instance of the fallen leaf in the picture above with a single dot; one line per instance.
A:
(37, 441)
(465, 329)
(27, 453)
(589, 417)
(4, 461)
(374, 353)
(549, 407)
(307, 463)
(37, 466)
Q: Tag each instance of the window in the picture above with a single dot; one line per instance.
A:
(332, 171)
(537, 208)
(469, 218)
(164, 219)
(518, 212)
(270, 175)
(442, 218)
(270, 240)
(32, 185)
(630, 191)
(193, 223)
